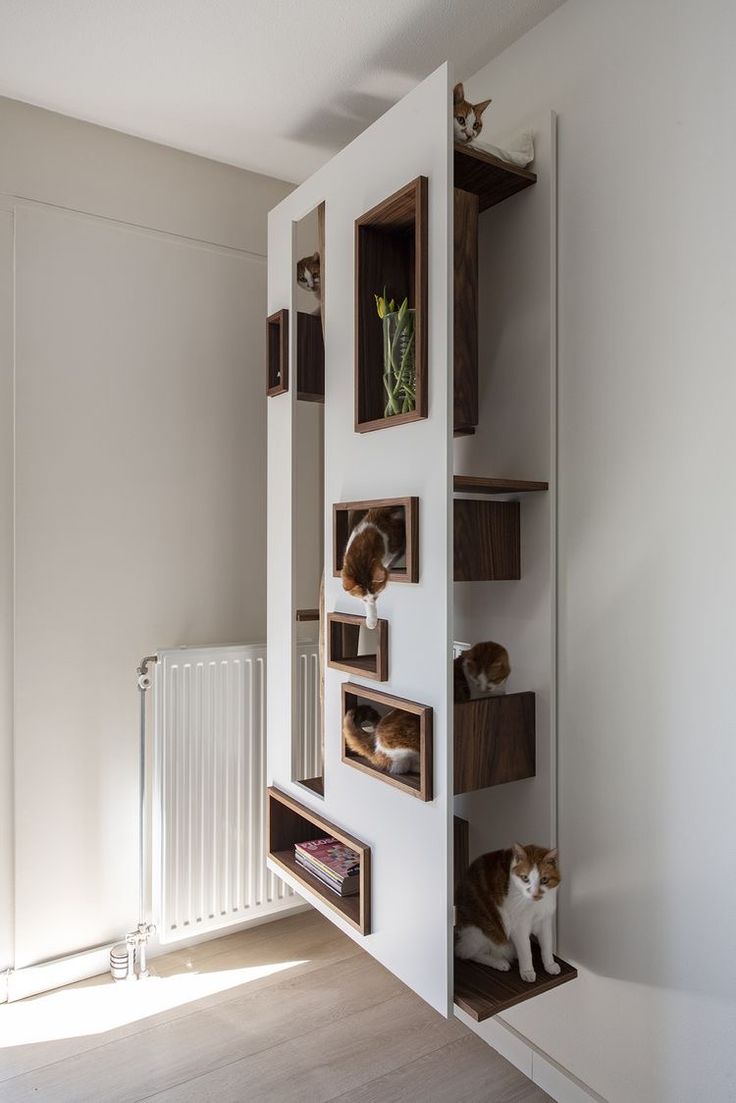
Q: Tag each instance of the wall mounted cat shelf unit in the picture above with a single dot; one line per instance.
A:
(400, 197)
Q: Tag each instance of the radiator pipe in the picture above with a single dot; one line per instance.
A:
(128, 959)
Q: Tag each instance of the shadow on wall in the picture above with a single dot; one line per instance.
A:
(469, 40)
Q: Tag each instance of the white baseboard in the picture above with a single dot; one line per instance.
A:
(538, 1066)
(31, 980)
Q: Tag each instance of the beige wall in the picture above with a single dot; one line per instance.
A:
(139, 476)
(647, 539)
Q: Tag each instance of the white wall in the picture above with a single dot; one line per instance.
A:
(139, 478)
(647, 483)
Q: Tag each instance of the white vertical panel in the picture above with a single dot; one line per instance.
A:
(209, 846)
(409, 840)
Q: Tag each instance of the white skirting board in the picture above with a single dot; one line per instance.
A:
(541, 1069)
(18, 984)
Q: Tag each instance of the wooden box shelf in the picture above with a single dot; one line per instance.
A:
(390, 253)
(487, 177)
(482, 484)
(346, 515)
(310, 358)
(277, 353)
(290, 822)
(417, 785)
(494, 741)
(487, 540)
(343, 634)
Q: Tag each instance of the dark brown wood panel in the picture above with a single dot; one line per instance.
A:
(421, 786)
(345, 515)
(390, 253)
(461, 849)
(316, 784)
(487, 540)
(482, 992)
(307, 614)
(290, 822)
(494, 741)
(342, 647)
(310, 358)
(277, 353)
(491, 179)
(481, 484)
(465, 389)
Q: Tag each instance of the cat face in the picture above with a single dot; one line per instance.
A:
(366, 718)
(534, 871)
(367, 588)
(308, 273)
(467, 117)
(487, 668)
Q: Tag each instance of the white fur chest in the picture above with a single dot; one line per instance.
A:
(518, 912)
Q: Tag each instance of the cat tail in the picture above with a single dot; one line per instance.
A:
(355, 739)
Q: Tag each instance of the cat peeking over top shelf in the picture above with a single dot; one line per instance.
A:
(468, 121)
(308, 274)
(482, 671)
(391, 742)
(376, 544)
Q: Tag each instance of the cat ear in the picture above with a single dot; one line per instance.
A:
(552, 855)
(458, 93)
(519, 852)
(479, 108)
(315, 254)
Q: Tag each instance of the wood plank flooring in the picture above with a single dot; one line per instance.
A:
(330, 1024)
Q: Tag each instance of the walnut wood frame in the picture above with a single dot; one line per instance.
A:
(341, 533)
(289, 822)
(494, 740)
(365, 666)
(277, 353)
(486, 176)
(423, 789)
(390, 250)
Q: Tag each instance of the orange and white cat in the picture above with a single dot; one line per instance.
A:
(376, 544)
(467, 117)
(505, 898)
(391, 742)
(481, 671)
(308, 274)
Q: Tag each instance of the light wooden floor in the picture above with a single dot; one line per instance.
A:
(336, 1025)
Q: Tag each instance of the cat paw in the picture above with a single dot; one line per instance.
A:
(552, 968)
(499, 964)
(528, 975)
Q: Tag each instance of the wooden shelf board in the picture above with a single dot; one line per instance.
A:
(482, 992)
(486, 176)
(346, 906)
(307, 614)
(315, 784)
(481, 484)
(408, 783)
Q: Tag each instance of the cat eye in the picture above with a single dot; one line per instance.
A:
(524, 877)
(461, 120)
(545, 880)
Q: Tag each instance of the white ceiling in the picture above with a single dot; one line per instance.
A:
(271, 85)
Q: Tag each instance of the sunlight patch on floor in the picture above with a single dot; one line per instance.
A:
(75, 1012)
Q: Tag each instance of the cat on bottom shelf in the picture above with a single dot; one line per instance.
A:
(308, 274)
(390, 742)
(375, 545)
(482, 671)
(505, 898)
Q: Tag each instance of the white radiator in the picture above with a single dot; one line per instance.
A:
(209, 843)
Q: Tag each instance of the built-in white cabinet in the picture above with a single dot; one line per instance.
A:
(478, 268)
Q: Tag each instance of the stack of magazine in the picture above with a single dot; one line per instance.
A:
(331, 862)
